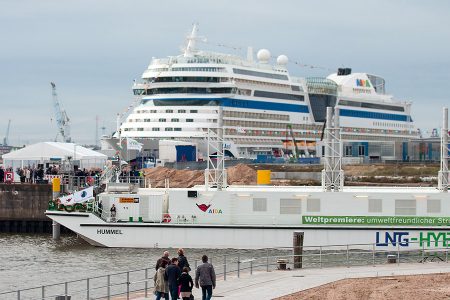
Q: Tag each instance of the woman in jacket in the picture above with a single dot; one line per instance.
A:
(161, 285)
(186, 283)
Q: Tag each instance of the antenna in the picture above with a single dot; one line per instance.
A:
(96, 130)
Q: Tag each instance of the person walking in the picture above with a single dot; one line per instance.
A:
(182, 260)
(186, 283)
(165, 257)
(172, 275)
(160, 283)
(207, 277)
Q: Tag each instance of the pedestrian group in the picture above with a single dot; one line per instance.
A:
(172, 278)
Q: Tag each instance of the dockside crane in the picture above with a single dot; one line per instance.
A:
(62, 120)
(5, 139)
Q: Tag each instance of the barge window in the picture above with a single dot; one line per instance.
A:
(290, 206)
(433, 206)
(313, 205)
(259, 204)
(405, 207)
(375, 206)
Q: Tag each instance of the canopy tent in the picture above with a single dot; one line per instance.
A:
(49, 152)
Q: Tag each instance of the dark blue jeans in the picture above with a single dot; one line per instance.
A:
(159, 295)
(173, 292)
(207, 292)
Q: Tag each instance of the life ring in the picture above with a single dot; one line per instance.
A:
(166, 218)
(69, 208)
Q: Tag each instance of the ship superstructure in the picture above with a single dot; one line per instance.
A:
(262, 102)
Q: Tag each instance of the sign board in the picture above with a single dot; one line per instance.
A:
(129, 200)
(9, 177)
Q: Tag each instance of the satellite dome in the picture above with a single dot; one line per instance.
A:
(282, 60)
(263, 55)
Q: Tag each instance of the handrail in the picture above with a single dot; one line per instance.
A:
(262, 259)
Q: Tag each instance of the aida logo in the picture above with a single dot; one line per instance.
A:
(362, 82)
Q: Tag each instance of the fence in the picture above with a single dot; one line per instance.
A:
(139, 283)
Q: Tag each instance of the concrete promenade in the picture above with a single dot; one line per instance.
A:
(269, 285)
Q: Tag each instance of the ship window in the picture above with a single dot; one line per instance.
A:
(175, 120)
(266, 94)
(295, 88)
(371, 105)
(259, 204)
(189, 120)
(193, 111)
(348, 150)
(260, 74)
(177, 129)
(405, 207)
(162, 120)
(290, 206)
(169, 129)
(433, 206)
(375, 206)
(361, 150)
(169, 111)
(140, 129)
(181, 111)
(155, 129)
(313, 205)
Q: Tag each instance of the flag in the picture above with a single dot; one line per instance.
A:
(66, 200)
(133, 145)
(240, 130)
(83, 195)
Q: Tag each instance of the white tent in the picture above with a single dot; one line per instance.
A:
(48, 152)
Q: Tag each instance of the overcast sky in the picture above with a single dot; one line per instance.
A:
(93, 49)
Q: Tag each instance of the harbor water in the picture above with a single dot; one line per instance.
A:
(31, 260)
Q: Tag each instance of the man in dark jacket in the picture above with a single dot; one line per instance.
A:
(164, 257)
(182, 260)
(207, 277)
(171, 276)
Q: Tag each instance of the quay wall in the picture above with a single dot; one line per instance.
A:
(22, 208)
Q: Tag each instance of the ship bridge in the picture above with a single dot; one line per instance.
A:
(322, 93)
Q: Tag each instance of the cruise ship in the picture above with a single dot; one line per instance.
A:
(263, 108)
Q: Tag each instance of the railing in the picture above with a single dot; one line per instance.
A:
(139, 283)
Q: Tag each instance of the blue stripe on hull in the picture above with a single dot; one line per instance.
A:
(373, 115)
(250, 104)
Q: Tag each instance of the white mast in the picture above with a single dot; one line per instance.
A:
(443, 183)
(215, 173)
(192, 39)
(332, 174)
